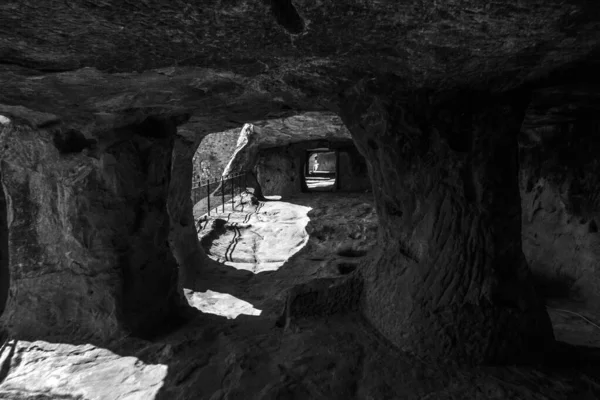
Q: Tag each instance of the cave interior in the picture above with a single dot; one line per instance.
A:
(443, 245)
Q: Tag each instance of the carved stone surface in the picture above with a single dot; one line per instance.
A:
(87, 232)
(449, 280)
(560, 185)
(108, 100)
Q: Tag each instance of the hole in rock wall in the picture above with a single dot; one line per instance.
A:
(346, 268)
(286, 15)
(320, 172)
(71, 141)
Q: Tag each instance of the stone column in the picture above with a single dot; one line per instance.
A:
(448, 280)
(88, 231)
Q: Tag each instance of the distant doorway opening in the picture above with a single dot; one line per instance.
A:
(321, 170)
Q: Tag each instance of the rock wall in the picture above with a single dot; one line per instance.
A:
(279, 170)
(353, 171)
(4, 254)
(449, 280)
(88, 231)
(183, 236)
(560, 190)
(213, 154)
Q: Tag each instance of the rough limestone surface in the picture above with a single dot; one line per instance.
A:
(450, 280)
(99, 90)
(315, 47)
(559, 183)
(318, 127)
(280, 170)
(213, 154)
(87, 232)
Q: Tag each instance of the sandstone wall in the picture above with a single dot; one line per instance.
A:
(213, 154)
(89, 230)
(560, 191)
(448, 279)
(280, 169)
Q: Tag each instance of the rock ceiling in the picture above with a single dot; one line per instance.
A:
(222, 63)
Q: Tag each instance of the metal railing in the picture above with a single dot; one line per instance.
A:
(224, 191)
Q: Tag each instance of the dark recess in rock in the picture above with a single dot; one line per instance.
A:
(71, 141)
(153, 127)
(346, 268)
(372, 144)
(561, 286)
(286, 15)
(461, 138)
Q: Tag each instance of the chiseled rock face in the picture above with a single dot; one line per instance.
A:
(213, 154)
(300, 128)
(312, 46)
(280, 169)
(268, 134)
(279, 172)
(560, 189)
(87, 231)
(449, 280)
(94, 240)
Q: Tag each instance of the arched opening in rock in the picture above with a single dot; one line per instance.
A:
(272, 225)
(320, 170)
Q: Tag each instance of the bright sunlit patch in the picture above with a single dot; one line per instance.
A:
(4, 120)
(259, 239)
(58, 370)
(274, 197)
(222, 304)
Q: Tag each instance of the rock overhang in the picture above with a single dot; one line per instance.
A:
(307, 49)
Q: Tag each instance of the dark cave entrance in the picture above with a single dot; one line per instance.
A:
(4, 264)
(320, 173)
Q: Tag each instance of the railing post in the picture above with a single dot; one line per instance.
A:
(222, 194)
(208, 195)
(232, 194)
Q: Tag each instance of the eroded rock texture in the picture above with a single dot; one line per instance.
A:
(280, 170)
(449, 280)
(88, 231)
(560, 183)
(97, 225)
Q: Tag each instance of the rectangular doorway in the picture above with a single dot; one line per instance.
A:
(321, 170)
